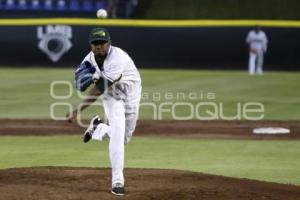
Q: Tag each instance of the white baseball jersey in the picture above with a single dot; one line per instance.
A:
(257, 41)
(116, 63)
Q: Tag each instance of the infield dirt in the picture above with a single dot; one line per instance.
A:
(172, 128)
(90, 183)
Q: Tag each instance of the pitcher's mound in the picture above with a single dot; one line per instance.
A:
(61, 183)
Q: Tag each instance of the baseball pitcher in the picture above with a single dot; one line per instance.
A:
(113, 76)
(257, 41)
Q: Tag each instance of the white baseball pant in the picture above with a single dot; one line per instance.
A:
(256, 62)
(121, 108)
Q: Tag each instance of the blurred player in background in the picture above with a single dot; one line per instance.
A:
(121, 8)
(257, 41)
(113, 76)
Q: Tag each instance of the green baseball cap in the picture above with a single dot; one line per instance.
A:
(99, 34)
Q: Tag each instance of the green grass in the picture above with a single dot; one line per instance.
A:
(25, 93)
(274, 161)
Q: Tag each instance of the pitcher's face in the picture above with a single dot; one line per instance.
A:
(100, 47)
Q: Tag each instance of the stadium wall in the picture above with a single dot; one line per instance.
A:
(195, 44)
(218, 9)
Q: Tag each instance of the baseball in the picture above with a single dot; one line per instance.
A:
(101, 13)
(96, 76)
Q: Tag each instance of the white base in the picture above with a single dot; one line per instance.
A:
(271, 130)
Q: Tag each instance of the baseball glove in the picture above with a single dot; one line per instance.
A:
(84, 76)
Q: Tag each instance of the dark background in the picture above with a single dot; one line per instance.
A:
(152, 47)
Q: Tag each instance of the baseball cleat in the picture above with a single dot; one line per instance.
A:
(90, 130)
(118, 189)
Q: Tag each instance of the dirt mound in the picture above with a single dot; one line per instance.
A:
(91, 183)
(186, 129)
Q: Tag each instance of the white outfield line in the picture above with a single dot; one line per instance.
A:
(150, 23)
